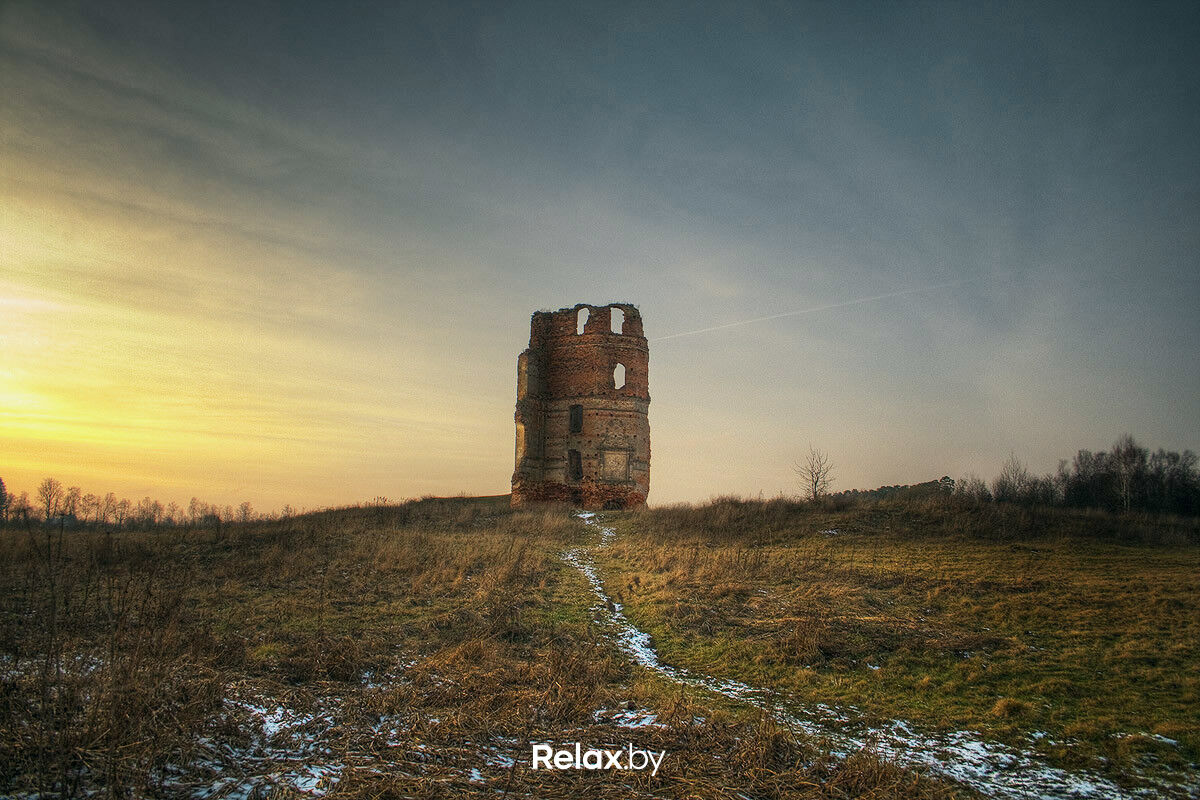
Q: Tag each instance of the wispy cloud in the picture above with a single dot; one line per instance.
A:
(319, 244)
(815, 309)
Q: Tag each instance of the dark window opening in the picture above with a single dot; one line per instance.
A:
(576, 419)
(574, 465)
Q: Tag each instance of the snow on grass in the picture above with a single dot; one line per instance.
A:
(273, 747)
(492, 757)
(627, 718)
(994, 769)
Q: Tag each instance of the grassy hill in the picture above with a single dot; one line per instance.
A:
(1072, 633)
(418, 650)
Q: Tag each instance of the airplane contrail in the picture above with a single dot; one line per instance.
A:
(814, 309)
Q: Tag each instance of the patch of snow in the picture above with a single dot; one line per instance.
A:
(628, 718)
(1154, 736)
(495, 758)
(279, 748)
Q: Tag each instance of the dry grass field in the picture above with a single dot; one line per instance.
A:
(409, 651)
(1073, 635)
(420, 650)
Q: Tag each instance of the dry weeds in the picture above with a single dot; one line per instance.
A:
(409, 651)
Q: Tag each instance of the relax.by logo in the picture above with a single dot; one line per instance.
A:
(546, 757)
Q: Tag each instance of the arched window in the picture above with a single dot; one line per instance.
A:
(619, 376)
(618, 320)
(581, 319)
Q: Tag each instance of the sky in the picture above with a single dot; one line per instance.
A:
(287, 253)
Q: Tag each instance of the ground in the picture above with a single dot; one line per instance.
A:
(1068, 636)
(421, 650)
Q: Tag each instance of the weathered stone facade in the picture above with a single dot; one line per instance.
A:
(583, 437)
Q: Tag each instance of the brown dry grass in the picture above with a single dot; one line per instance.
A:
(1009, 621)
(397, 648)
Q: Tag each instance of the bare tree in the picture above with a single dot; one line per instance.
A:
(1129, 459)
(49, 494)
(89, 506)
(108, 507)
(1013, 482)
(148, 512)
(972, 487)
(121, 511)
(4, 501)
(20, 508)
(71, 500)
(143, 512)
(815, 473)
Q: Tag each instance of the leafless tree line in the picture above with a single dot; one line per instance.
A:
(69, 506)
(1127, 477)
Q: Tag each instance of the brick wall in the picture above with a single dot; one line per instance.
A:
(565, 367)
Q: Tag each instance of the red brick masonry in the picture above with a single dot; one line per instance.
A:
(605, 461)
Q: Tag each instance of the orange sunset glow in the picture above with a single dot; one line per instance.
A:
(259, 269)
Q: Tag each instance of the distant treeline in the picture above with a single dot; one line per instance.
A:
(1127, 477)
(942, 487)
(71, 507)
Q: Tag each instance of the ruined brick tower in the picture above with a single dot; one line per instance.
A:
(583, 434)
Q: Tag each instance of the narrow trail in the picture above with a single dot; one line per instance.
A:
(995, 769)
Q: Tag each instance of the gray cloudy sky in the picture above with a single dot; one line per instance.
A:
(288, 252)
